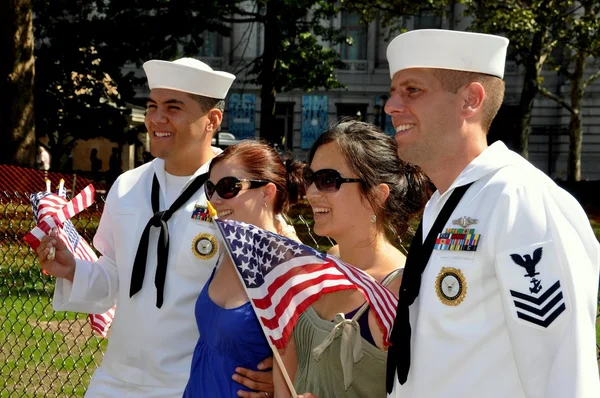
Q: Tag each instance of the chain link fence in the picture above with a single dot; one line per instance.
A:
(42, 353)
(54, 354)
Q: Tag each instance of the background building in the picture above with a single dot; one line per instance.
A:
(301, 117)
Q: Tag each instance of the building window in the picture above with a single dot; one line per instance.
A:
(357, 33)
(212, 46)
(427, 20)
(352, 111)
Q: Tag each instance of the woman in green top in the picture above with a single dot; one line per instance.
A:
(362, 195)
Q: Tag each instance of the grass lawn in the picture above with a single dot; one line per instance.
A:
(43, 353)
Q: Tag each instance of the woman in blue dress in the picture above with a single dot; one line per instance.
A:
(247, 182)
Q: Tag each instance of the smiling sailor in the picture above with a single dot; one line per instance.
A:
(157, 240)
(499, 292)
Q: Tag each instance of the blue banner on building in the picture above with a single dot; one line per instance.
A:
(241, 115)
(315, 116)
(382, 119)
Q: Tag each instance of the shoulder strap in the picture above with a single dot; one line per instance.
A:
(386, 281)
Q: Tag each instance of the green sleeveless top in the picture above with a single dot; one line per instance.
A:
(334, 361)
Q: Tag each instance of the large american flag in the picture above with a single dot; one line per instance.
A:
(283, 277)
(54, 211)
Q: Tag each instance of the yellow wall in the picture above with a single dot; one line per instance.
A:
(81, 153)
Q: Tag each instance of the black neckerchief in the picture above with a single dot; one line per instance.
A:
(416, 261)
(159, 220)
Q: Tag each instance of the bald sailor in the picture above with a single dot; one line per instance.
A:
(157, 241)
(499, 292)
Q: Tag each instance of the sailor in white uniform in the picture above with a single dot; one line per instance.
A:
(157, 241)
(499, 292)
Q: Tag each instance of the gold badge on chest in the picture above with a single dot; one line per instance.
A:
(451, 286)
(204, 246)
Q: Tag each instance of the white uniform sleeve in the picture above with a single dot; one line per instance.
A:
(547, 263)
(95, 284)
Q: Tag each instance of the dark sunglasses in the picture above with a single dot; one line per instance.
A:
(326, 180)
(229, 187)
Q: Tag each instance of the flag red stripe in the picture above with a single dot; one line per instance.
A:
(385, 293)
(300, 308)
(273, 323)
(284, 292)
(374, 299)
(54, 211)
(31, 240)
(287, 299)
(265, 302)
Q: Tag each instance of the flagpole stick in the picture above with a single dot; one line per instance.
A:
(284, 372)
(274, 349)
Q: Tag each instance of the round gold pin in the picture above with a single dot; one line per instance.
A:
(204, 246)
(451, 286)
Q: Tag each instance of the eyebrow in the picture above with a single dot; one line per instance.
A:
(408, 82)
(168, 102)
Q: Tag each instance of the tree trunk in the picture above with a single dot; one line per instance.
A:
(533, 68)
(17, 66)
(269, 71)
(575, 128)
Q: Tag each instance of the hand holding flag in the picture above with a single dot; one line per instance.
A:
(52, 214)
(55, 257)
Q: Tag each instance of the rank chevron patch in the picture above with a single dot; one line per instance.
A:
(545, 309)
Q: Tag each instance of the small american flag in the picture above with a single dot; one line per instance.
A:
(283, 277)
(54, 211)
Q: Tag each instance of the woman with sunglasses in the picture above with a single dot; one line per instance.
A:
(362, 196)
(248, 182)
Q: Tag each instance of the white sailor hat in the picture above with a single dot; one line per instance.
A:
(188, 75)
(448, 49)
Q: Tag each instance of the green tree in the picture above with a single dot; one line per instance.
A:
(76, 95)
(392, 12)
(529, 25)
(293, 56)
(557, 34)
(17, 71)
(580, 36)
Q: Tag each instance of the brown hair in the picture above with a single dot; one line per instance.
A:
(453, 80)
(262, 162)
(373, 157)
(208, 103)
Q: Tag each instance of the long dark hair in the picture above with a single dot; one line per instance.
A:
(373, 157)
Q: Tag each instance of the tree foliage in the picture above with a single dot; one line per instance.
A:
(557, 34)
(77, 96)
(391, 13)
(581, 39)
(529, 25)
(158, 29)
(293, 57)
(17, 70)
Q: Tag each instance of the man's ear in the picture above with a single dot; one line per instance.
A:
(473, 96)
(215, 117)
